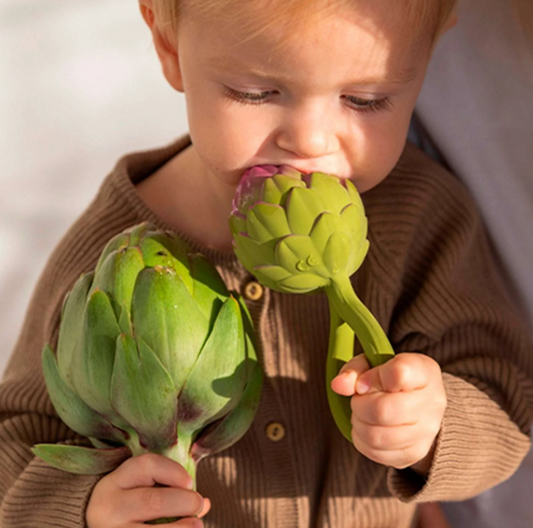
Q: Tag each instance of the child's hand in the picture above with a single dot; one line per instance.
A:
(126, 497)
(397, 408)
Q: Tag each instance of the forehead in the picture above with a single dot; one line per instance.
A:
(349, 46)
(414, 18)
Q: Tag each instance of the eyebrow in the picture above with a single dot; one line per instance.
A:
(402, 76)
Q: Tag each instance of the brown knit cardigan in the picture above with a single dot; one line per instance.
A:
(430, 280)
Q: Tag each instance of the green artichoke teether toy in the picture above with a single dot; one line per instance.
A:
(298, 233)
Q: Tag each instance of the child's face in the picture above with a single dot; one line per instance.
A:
(336, 97)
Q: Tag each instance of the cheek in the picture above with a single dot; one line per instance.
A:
(228, 136)
(380, 147)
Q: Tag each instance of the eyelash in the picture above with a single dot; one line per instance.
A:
(357, 103)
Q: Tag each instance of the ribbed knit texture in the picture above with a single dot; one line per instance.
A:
(431, 282)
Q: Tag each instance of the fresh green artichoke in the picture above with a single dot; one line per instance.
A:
(298, 233)
(154, 355)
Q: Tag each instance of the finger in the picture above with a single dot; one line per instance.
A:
(388, 409)
(345, 381)
(383, 438)
(147, 504)
(149, 469)
(207, 507)
(404, 372)
(397, 458)
(187, 522)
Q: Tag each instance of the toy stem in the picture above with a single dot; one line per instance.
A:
(340, 350)
(373, 339)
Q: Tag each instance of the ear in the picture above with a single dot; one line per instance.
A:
(166, 49)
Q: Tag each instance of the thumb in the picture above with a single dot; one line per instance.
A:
(344, 382)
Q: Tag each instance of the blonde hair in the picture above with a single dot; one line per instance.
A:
(430, 15)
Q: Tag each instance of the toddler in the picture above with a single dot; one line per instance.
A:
(321, 85)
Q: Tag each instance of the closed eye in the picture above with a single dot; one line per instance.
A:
(253, 98)
(368, 105)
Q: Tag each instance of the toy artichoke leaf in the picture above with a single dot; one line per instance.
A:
(334, 195)
(303, 206)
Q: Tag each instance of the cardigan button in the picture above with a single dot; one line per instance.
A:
(253, 291)
(275, 431)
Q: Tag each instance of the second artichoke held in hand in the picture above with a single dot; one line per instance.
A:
(300, 233)
(154, 355)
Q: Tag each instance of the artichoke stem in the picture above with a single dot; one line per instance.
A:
(342, 297)
(134, 444)
(181, 453)
(340, 350)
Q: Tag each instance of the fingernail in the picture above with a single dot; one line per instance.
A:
(362, 387)
(348, 375)
(201, 509)
(189, 484)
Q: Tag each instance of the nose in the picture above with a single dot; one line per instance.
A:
(307, 133)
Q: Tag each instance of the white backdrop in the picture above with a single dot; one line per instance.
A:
(80, 86)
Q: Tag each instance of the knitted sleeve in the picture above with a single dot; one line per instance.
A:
(33, 493)
(447, 300)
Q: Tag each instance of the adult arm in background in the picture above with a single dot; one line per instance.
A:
(475, 115)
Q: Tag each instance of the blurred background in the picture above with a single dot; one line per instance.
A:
(80, 86)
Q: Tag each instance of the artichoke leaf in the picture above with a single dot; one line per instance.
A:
(81, 460)
(167, 318)
(218, 377)
(297, 254)
(119, 241)
(249, 251)
(355, 196)
(303, 207)
(325, 224)
(209, 289)
(302, 283)
(166, 251)
(237, 223)
(117, 276)
(271, 274)
(72, 320)
(95, 368)
(143, 393)
(336, 254)
(267, 222)
(71, 408)
(271, 193)
(285, 183)
(357, 257)
(335, 196)
(233, 426)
